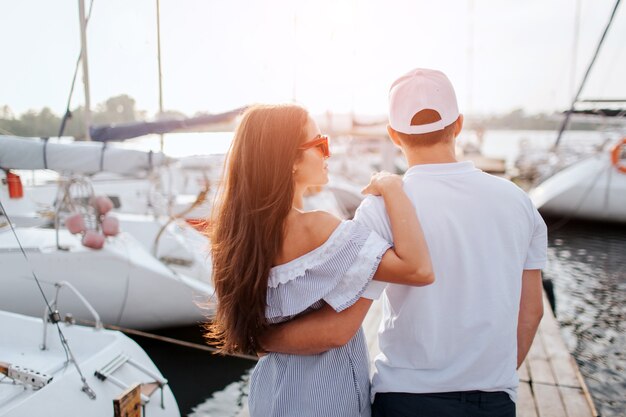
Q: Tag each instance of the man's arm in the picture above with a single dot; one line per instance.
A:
(317, 331)
(530, 312)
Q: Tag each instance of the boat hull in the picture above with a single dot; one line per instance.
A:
(591, 189)
(125, 284)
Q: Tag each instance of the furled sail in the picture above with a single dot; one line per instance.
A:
(119, 132)
(75, 157)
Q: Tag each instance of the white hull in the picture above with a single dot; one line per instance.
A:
(93, 349)
(591, 189)
(123, 281)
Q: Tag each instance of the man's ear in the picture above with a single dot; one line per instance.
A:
(458, 125)
(393, 135)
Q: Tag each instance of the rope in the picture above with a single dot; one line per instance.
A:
(166, 339)
(200, 198)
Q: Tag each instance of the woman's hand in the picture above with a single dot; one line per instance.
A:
(382, 182)
(408, 262)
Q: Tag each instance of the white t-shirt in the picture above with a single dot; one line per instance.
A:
(460, 333)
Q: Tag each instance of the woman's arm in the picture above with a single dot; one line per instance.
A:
(409, 261)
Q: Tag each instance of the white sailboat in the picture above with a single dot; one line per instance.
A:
(154, 274)
(593, 187)
(49, 382)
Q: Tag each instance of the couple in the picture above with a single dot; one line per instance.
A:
(296, 285)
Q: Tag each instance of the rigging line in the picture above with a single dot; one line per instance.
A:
(69, 99)
(68, 352)
(575, 48)
(32, 271)
(168, 339)
(568, 113)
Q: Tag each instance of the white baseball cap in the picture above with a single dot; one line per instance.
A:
(422, 89)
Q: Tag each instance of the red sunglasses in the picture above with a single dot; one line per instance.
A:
(320, 142)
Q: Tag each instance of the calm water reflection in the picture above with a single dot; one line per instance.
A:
(587, 264)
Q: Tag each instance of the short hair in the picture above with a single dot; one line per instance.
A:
(419, 140)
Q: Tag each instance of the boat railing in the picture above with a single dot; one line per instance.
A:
(54, 308)
(147, 389)
(73, 195)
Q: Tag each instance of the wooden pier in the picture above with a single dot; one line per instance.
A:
(550, 382)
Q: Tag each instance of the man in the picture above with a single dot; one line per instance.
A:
(452, 348)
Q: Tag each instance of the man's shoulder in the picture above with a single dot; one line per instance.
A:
(373, 215)
(504, 184)
(371, 205)
(373, 201)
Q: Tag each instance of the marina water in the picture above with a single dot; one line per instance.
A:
(587, 264)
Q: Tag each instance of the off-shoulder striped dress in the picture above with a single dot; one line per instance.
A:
(334, 383)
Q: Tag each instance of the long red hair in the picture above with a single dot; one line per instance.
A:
(248, 222)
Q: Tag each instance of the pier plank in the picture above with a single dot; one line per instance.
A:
(548, 400)
(576, 403)
(564, 368)
(522, 372)
(539, 367)
(563, 364)
(525, 402)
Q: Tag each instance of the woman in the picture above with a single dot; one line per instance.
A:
(273, 261)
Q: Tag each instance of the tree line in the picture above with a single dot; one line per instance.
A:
(122, 109)
(45, 123)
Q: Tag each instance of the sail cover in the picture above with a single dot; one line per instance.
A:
(75, 157)
(124, 131)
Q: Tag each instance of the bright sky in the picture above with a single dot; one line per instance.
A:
(338, 55)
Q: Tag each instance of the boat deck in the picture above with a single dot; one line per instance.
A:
(550, 382)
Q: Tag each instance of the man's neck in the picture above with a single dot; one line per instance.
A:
(432, 155)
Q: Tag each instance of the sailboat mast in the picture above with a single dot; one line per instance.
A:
(83, 54)
(582, 84)
(158, 22)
